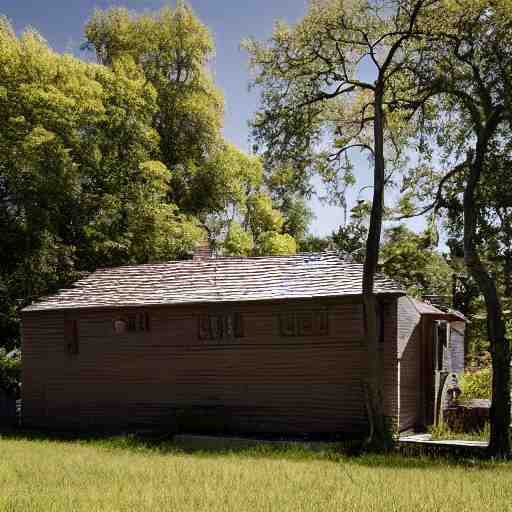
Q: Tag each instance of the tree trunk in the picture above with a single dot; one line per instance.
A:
(499, 444)
(379, 437)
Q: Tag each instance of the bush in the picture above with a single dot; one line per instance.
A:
(476, 384)
(10, 370)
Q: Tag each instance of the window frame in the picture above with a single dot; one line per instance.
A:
(219, 326)
(304, 323)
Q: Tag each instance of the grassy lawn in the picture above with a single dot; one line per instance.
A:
(126, 475)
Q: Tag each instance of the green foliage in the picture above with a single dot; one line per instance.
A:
(410, 259)
(208, 178)
(275, 244)
(173, 48)
(477, 384)
(10, 371)
(350, 240)
(238, 242)
(297, 217)
(312, 243)
(442, 433)
(78, 164)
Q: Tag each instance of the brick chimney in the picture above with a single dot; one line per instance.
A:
(203, 251)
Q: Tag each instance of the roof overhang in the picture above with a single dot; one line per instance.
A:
(34, 308)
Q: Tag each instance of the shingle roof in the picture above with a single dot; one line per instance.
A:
(425, 308)
(217, 280)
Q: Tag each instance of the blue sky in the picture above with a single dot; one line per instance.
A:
(61, 22)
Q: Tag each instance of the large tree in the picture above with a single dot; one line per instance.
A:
(467, 73)
(316, 94)
(209, 178)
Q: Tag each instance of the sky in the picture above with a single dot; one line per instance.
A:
(61, 23)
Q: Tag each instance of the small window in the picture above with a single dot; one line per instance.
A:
(221, 327)
(138, 322)
(321, 322)
(288, 324)
(304, 323)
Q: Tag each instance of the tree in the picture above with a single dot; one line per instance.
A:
(208, 177)
(410, 259)
(238, 242)
(173, 48)
(289, 192)
(313, 93)
(10, 371)
(468, 72)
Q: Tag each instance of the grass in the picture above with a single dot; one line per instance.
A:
(126, 474)
(443, 433)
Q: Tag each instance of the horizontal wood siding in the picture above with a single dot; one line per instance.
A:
(456, 349)
(389, 351)
(42, 355)
(169, 378)
(409, 354)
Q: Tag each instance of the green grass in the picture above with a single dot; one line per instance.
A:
(443, 433)
(125, 474)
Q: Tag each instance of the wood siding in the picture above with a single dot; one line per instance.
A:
(410, 366)
(389, 353)
(456, 348)
(169, 378)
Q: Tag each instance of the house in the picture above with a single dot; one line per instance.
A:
(233, 345)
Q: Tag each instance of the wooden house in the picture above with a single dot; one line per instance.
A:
(231, 345)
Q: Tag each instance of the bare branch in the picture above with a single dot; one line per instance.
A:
(439, 195)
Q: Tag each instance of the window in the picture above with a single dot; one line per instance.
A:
(136, 322)
(304, 323)
(225, 326)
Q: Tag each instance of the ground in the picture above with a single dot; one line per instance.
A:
(126, 474)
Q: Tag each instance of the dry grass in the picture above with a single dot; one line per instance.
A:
(123, 475)
(443, 433)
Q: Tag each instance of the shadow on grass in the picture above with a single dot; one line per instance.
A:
(345, 452)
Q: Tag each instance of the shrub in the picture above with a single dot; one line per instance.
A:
(10, 370)
(476, 384)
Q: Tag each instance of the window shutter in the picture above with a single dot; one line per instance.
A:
(71, 336)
